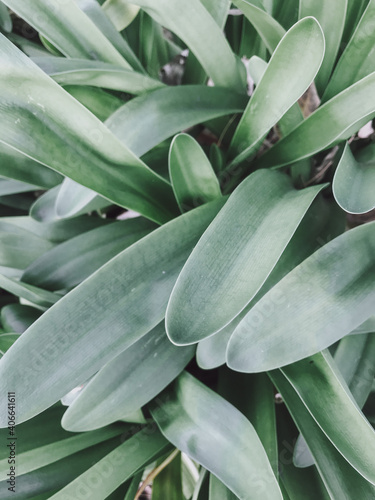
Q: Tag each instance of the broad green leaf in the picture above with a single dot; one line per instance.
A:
(128, 382)
(336, 120)
(193, 180)
(194, 73)
(340, 479)
(354, 13)
(174, 109)
(120, 12)
(67, 342)
(167, 485)
(122, 463)
(19, 248)
(42, 455)
(286, 13)
(52, 477)
(321, 223)
(10, 186)
(5, 19)
(268, 28)
(214, 286)
(74, 136)
(203, 37)
(354, 181)
(331, 16)
(354, 358)
(17, 317)
(14, 165)
(101, 103)
(65, 26)
(97, 74)
(68, 264)
(219, 490)
(215, 434)
(325, 394)
(59, 230)
(33, 294)
(293, 321)
(92, 9)
(358, 59)
(289, 73)
(6, 341)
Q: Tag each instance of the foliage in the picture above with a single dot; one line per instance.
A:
(187, 283)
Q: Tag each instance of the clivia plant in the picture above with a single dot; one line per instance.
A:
(187, 252)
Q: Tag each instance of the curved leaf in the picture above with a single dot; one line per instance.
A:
(223, 275)
(122, 463)
(68, 342)
(289, 73)
(74, 136)
(128, 382)
(331, 16)
(33, 294)
(193, 180)
(18, 318)
(120, 12)
(76, 259)
(215, 434)
(324, 393)
(354, 182)
(268, 28)
(358, 58)
(203, 37)
(65, 26)
(293, 321)
(97, 74)
(340, 479)
(328, 125)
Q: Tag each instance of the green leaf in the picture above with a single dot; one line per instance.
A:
(68, 264)
(167, 485)
(354, 358)
(321, 223)
(340, 479)
(219, 490)
(358, 58)
(193, 180)
(68, 29)
(10, 186)
(97, 74)
(293, 320)
(59, 230)
(122, 463)
(98, 101)
(18, 318)
(331, 123)
(5, 19)
(33, 454)
(128, 382)
(331, 16)
(203, 37)
(6, 341)
(354, 181)
(120, 12)
(258, 221)
(174, 109)
(74, 136)
(18, 248)
(15, 165)
(33, 294)
(214, 433)
(98, 17)
(325, 394)
(289, 73)
(268, 28)
(68, 340)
